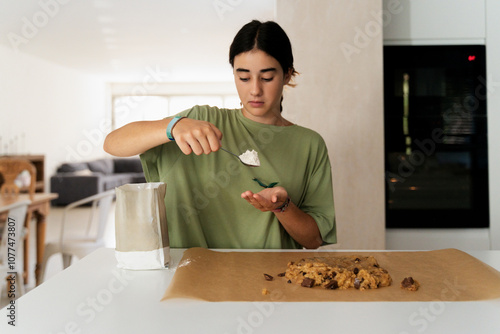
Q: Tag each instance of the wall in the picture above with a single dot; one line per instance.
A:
(338, 51)
(57, 110)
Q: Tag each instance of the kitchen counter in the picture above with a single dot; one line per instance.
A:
(93, 296)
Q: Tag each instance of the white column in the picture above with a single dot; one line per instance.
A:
(338, 51)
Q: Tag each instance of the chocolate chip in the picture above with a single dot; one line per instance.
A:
(375, 265)
(289, 281)
(268, 277)
(357, 260)
(332, 285)
(407, 282)
(331, 276)
(356, 271)
(357, 283)
(307, 282)
(281, 274)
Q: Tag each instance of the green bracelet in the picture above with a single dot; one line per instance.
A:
(171, 125)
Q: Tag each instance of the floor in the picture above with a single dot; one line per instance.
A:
(77, 226)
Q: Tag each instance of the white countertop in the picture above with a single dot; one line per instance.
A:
(93, 296)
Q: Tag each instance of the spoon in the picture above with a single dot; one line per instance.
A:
(237, 156)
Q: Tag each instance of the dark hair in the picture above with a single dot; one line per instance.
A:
(266, 36)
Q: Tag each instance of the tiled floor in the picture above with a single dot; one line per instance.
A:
(77, 226)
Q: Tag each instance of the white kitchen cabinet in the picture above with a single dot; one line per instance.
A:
(428, 22)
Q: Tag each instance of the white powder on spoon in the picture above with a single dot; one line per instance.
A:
(250, 158)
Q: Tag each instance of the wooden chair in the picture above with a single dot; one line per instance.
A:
(10, 169)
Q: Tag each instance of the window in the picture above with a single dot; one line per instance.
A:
(130, 108)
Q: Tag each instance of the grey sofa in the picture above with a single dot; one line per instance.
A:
(77, 180)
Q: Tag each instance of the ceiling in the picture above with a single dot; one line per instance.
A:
(124, 40)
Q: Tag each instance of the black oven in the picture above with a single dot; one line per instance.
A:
(436, 147)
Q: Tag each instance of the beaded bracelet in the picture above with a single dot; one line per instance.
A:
(283, 206)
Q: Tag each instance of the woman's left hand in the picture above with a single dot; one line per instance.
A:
(266, 200)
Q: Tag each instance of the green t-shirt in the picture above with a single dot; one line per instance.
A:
(203, 197)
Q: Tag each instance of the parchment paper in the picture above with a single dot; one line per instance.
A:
(444, 275)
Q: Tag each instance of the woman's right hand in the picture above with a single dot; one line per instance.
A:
(198, 137)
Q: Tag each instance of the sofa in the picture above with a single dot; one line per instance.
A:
(76, 180)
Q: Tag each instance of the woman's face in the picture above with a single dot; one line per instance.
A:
(259, 80)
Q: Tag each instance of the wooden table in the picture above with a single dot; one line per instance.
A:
(39, 209)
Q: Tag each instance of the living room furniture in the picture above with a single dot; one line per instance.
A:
(38, 161)
(85, 244)
(94, 296)
(77, 180)
(12, 238)
(12, 172)
(39, 208)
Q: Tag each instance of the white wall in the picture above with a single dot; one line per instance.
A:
(338, 51)
(59, 110)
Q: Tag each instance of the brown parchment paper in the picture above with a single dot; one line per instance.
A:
(444, 275)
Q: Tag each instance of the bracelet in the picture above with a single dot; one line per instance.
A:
(283, 206)
(171, 125)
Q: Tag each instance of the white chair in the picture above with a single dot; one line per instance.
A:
(84, 245)
(12, 237)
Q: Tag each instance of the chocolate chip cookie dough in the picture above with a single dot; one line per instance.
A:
(409, 284)
(338, 272)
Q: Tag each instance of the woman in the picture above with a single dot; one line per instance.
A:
(289, 198)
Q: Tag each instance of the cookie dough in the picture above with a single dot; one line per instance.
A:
(410, 284)
(338, 272)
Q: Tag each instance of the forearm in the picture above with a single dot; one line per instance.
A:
(301, 226)
(136, 138)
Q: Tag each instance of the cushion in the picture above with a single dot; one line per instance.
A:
(72, 167)
(104, 166)
(128, 165)
(83, 172)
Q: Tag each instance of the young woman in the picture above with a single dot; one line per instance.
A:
(212, 199)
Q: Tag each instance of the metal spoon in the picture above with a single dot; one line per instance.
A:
(237, 156)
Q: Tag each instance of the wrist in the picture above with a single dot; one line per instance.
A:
(283, 206)
(171, 126)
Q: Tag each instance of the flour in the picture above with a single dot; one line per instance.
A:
(250, 158)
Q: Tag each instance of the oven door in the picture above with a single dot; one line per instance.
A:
(436, 153)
